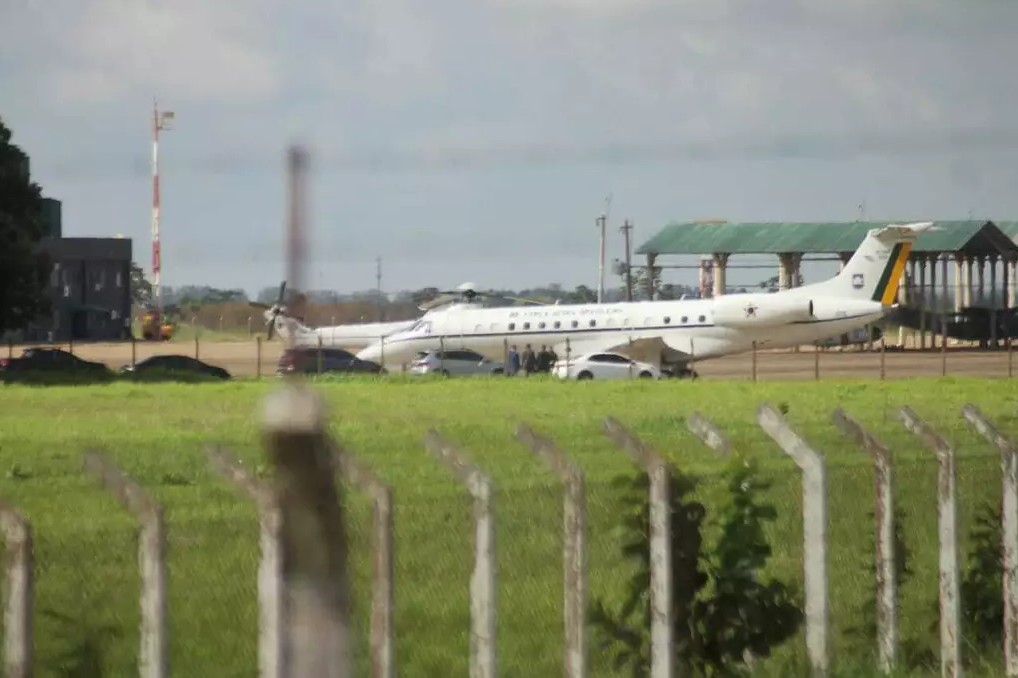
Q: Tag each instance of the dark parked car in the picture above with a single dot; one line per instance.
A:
(171, 365)
(51, 365)
(304, 360)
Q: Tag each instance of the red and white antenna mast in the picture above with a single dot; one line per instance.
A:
(160, 122)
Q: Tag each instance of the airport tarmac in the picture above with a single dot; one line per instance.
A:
(241, 358)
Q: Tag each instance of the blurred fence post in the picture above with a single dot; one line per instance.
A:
(886, 572)
(319, 356)
(134, 351)
(753, 368)
(569, 353)
(313, 540)
(816, 360)
(574, 512)
(883, 357)
(1009, 529)
(383, 662)
(482, 580)
(270, 612)
(662, 614)
(153, 658)
(943, 350)
(950, 604)
(258, 357)
(20, 564)
(196, 346)
(710, 434)
(814, 508)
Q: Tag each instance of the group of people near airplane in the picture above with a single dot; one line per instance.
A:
(529, 362)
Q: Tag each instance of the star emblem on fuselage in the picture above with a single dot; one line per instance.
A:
(751, 311)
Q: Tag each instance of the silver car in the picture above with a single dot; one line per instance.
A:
(454, 361)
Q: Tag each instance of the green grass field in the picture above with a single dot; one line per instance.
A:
(85, 543)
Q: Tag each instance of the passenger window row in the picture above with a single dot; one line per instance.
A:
(593, 323)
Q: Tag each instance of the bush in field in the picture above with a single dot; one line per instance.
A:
(724, 612)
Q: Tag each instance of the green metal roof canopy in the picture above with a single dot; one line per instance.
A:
(967, 237)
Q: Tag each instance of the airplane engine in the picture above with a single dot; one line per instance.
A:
(760, 310)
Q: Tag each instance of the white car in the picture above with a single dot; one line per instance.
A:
(604, 365)
(459, 361)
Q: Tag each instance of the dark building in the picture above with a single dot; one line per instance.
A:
(90, 283)
(90, 286)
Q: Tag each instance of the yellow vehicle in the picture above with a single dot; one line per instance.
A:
(154, 328)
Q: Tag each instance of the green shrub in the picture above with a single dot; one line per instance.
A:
(724, 613)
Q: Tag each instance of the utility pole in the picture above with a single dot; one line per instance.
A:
(378, 288)
(160, 122)
(601, 222)
(626, 228)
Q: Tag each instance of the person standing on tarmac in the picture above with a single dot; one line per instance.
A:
(513, 365)
(529, 361)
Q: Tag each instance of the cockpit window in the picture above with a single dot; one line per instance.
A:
(421, 327)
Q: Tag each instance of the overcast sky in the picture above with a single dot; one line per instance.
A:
(477, 139)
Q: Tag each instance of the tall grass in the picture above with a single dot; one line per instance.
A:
(86, 563)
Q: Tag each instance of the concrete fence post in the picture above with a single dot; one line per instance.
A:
(482, 581)
(886, 571)
(574, 548)
(1009, 530)
(662, 613)
(950, 603)
(19, 567)
(383, 662)
(153, 657)
(271, 615)
(710, 434)
(313, 540)
(814, 508)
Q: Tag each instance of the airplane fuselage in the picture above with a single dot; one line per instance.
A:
(698, 328)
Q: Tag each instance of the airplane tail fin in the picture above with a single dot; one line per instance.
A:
(875, 270)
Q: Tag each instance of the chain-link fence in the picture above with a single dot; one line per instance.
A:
(248, 357)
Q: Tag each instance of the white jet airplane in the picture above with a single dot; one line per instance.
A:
(862, 293)
(355, 336)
